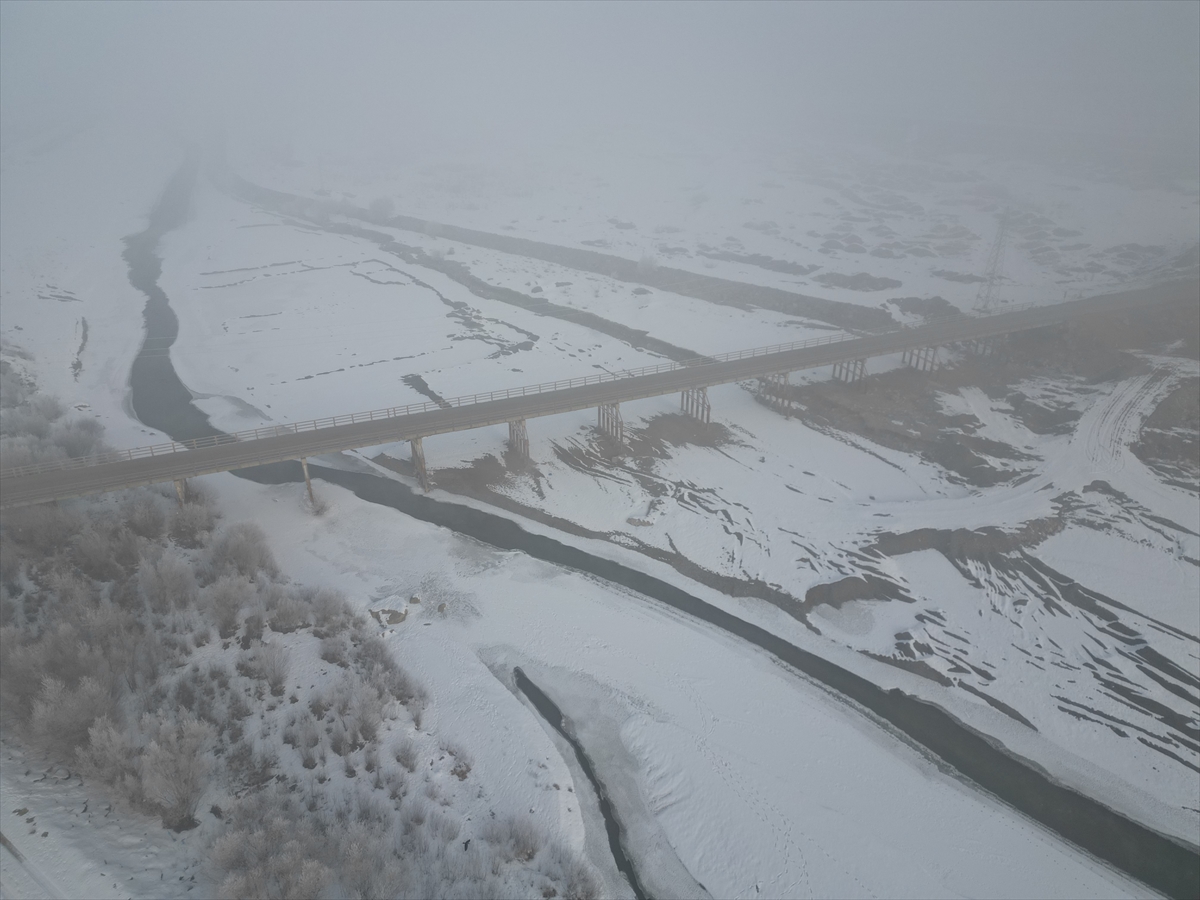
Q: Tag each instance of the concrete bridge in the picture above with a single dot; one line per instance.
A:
(847, 353)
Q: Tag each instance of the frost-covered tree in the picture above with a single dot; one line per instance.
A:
(175, 767)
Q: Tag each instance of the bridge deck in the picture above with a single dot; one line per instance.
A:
(79, 478)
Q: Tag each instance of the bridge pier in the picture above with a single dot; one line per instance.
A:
(418, 461)
(776, 391)
(923, 359)
(181, 490)
(608, 420)
(851, 371)
(308, 481)
(518, 438)
(983, 347)
(694, 402)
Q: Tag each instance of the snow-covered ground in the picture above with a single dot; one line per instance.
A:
(759, 783)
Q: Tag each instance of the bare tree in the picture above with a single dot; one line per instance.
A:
(175, 768)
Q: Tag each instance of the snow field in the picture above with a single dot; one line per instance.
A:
(769, 784)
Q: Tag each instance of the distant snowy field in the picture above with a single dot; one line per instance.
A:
(760, 784)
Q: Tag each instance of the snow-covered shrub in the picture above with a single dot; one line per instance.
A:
(191, 524)
(242, 548)
(26, 450)
(70, 590)
(62, 716)
(270, 849)
(111, 757)
(576, 879)
(168, 583)
(14, 389)
(42, 531)
(273, 664)
(336, 650)
(405, 753)
(10, 568)
(175, 767)
(106, 551)
(367, 867)
(22, 673)
(288, 611)
(225, 599)
(32, 418)
(79, 437)
(142, 512)
(63, 653)
(330, 611)
(513, 837)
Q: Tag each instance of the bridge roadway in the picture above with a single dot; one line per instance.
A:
(172, 462)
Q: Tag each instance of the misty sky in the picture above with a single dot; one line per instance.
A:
(489, 72)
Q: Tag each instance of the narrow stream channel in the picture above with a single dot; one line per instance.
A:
(549, 711)
(161, 401)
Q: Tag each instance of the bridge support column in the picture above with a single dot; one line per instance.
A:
(694, 402)
(518, 438)
(984, 347)
(308, 481)
(851, 371)
(923, 359)
(418, 461)
(776, 391)
(608, 420)
(181, 490)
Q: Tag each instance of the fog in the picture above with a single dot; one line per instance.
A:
(1092, 78)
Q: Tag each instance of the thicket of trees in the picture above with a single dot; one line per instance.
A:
(153, 648)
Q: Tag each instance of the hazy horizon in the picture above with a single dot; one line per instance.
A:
(1115, 80)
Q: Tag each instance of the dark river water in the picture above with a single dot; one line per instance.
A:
(163, 402)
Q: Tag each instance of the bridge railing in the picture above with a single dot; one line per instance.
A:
(395, 412)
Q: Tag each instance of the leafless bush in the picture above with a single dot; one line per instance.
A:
(271, 851)
(168, 583)
(366, 866)
(576, 879)
(513, 838)
(191, 523)
(71, 591)
(406, 754)
(243, 549)
(32, 418)
(14, 387)
(42, 530)
(106, 552)
(64, 653)
(273, 663)
(22, 673)
(10, 567)
(377, 663)
(25, 450)
(335, 650)
(226, 597)
(143, 514)
(112, 758)
(288, 611)
(331, 613)
(62, 715)
(79, 437)
(175, 768)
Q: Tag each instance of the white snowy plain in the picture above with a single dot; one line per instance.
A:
(761, 783)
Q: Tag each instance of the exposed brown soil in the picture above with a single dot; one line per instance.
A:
(1169, 441)
(899, 409)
